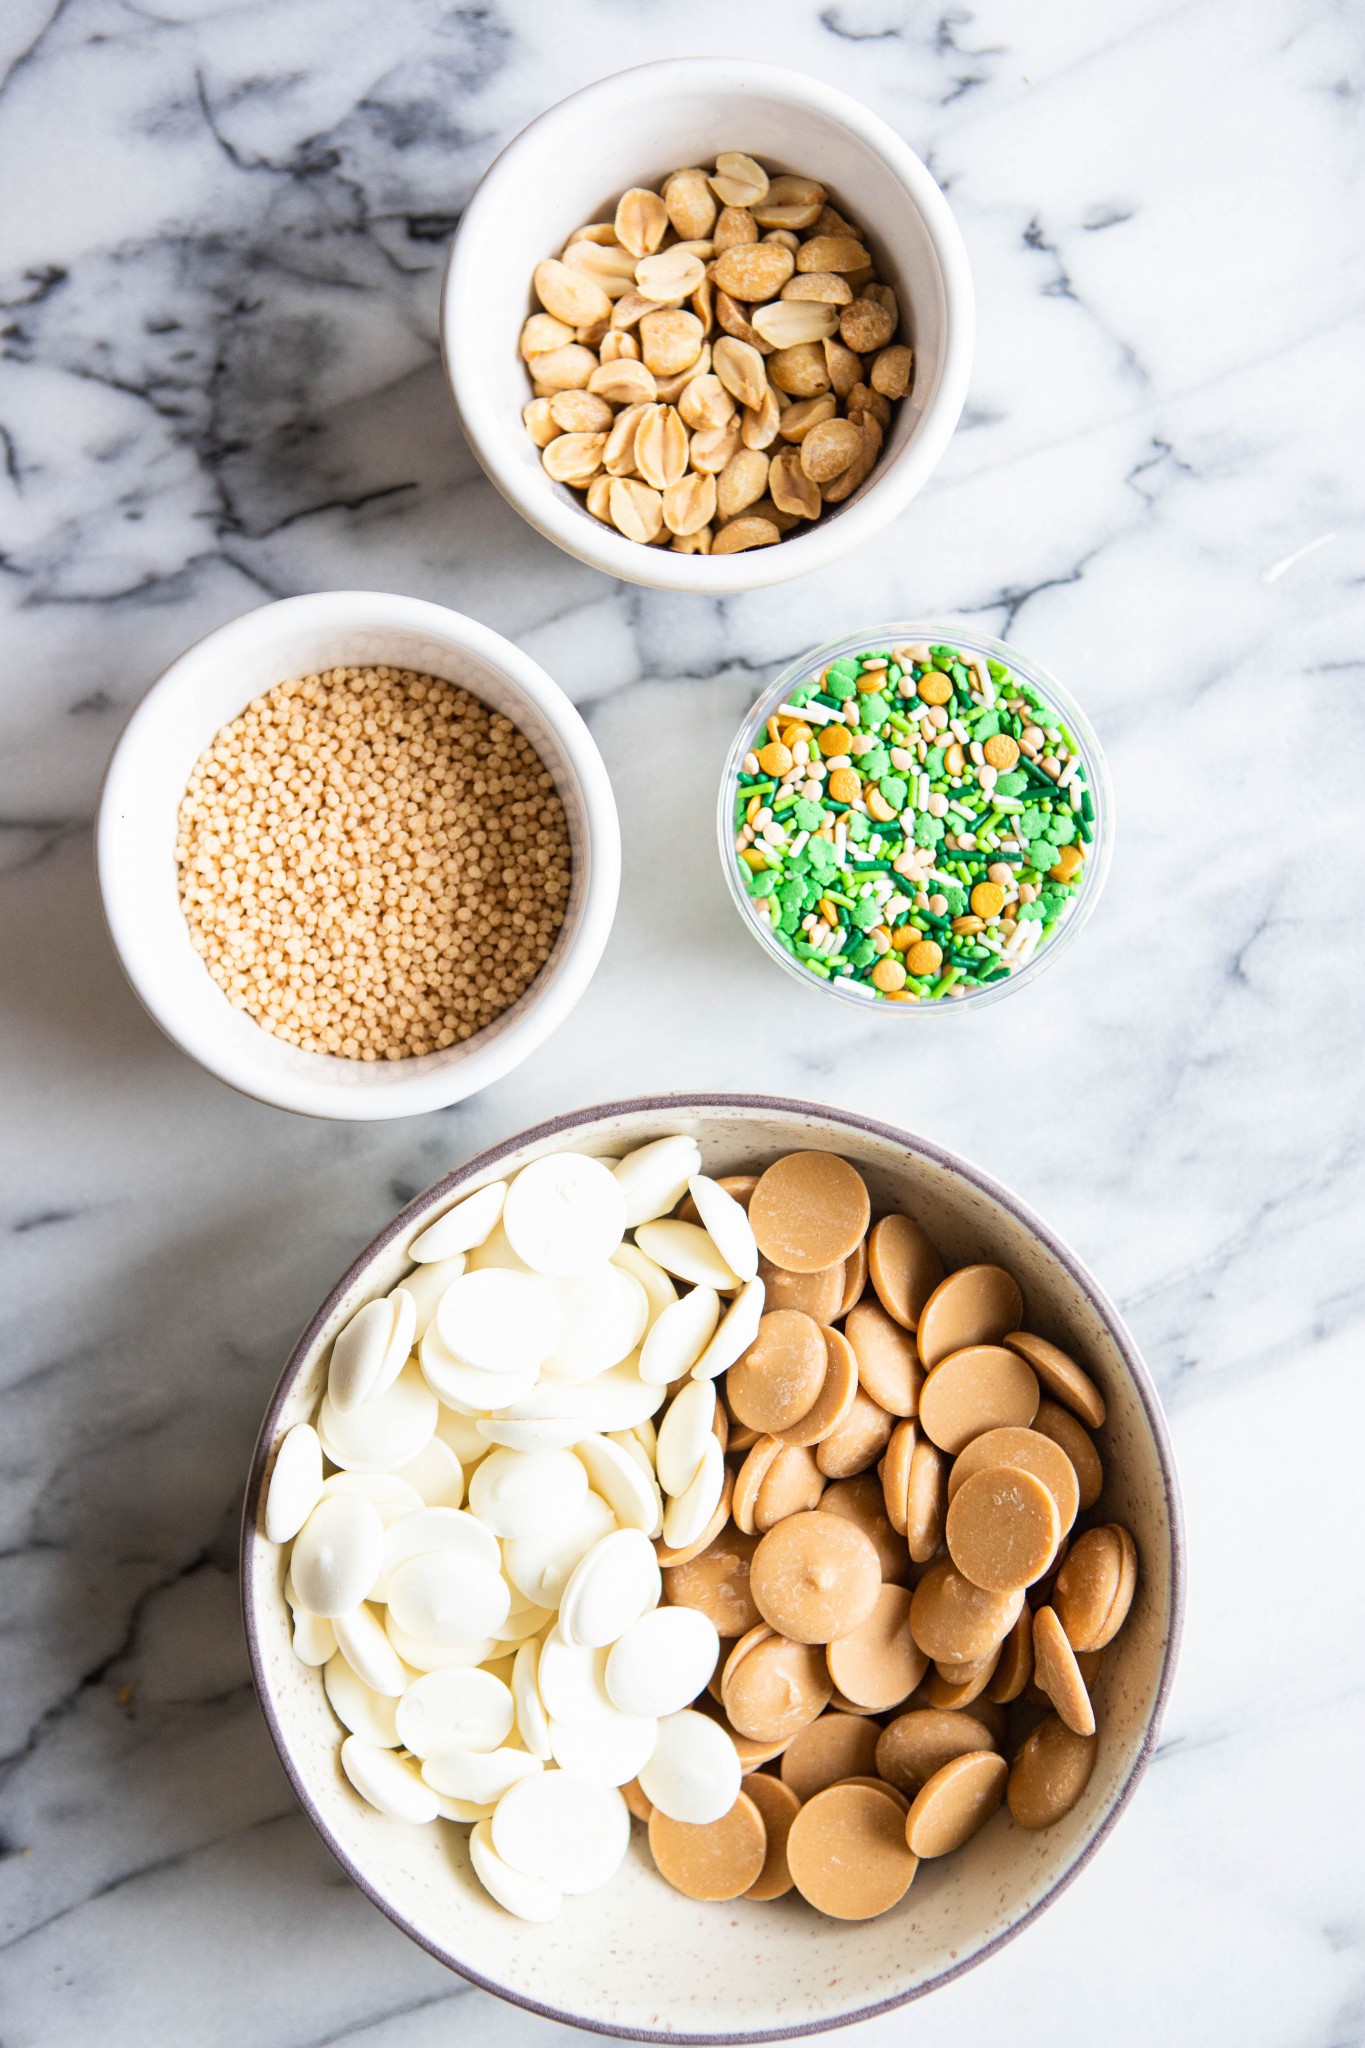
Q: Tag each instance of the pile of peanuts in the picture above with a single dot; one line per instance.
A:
(717, 363)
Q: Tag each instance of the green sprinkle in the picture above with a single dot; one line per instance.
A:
(1024, 804)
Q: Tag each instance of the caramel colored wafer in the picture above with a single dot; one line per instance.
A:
(904, 1267)
(970, 1391)
(1057, 1674)
(818, 1295)
(956, 1803)
(779, 1377)
(716, 1581)
(716, 1861)
(975, 1305)
(952, 1620)
(848, 1854)
(815, 1577)
(779, 1807)
(835, 1747)
(1061, 1377)
(879, 1663)
(1049, 1774)
(1062, 1428)
(1003, 1528)
(888, 1363)
(809, 1210)
(834, 1403)
(858, 1442)
(1032, 1452)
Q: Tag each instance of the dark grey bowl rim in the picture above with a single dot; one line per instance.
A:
(938, 1155)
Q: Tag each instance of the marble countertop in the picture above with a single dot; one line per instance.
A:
(223, 235)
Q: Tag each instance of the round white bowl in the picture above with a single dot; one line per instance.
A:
(209, 685)
(633, 129)
(638, 1959)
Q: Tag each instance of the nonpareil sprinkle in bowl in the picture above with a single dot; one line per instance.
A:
(914, 815)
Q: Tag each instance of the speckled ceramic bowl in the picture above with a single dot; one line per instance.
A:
(637, 1959)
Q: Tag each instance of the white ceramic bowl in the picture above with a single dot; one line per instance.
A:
(135, 844)
(638, 1959)
(633, 129)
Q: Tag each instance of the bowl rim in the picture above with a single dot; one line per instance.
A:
(429, 1086)
(682, 1105)
(892, 485)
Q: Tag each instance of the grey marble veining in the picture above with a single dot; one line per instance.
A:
(222, 238)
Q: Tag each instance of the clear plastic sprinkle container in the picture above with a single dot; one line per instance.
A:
(927, 834)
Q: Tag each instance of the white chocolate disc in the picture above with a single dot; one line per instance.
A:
(555, 1827)
(694, 1773)
(726, 1224)
(481, 1777)
(570, 1678)
(401, 1339)
(363, 1643)
(337, 1555)
(499, 1322)
(678, 1337)
(463, 1810)
(454, 1710)
(358, 1355)
(527, 1898)
(444, 1599)
(295, 1484)
(618, 1399)
(381, 1435)
(389, 1784)
(688, 1514)
(539, 1566)
(564, 1214)
(495, 1253)
(461, 1228)
(662, 1662)
(654, 1178)
(687, 1252)
(602, 1317)
(461, 1432)
(464, 1387)
(738, 1328)
(533, 1724)
(624, 1481)
(612, 1586)
(435, 1475)
(450, 1529)
(687, 1425)
(527, 1493)
(392, 1496)
(606, 1752)
(531, 1433)
(358, 1707)
(314, 1639)
(437, 1656)
(426, 1285)
(659, 1289)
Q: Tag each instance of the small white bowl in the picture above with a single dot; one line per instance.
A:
(633, 129)
(637, 1959)
(209, 685)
